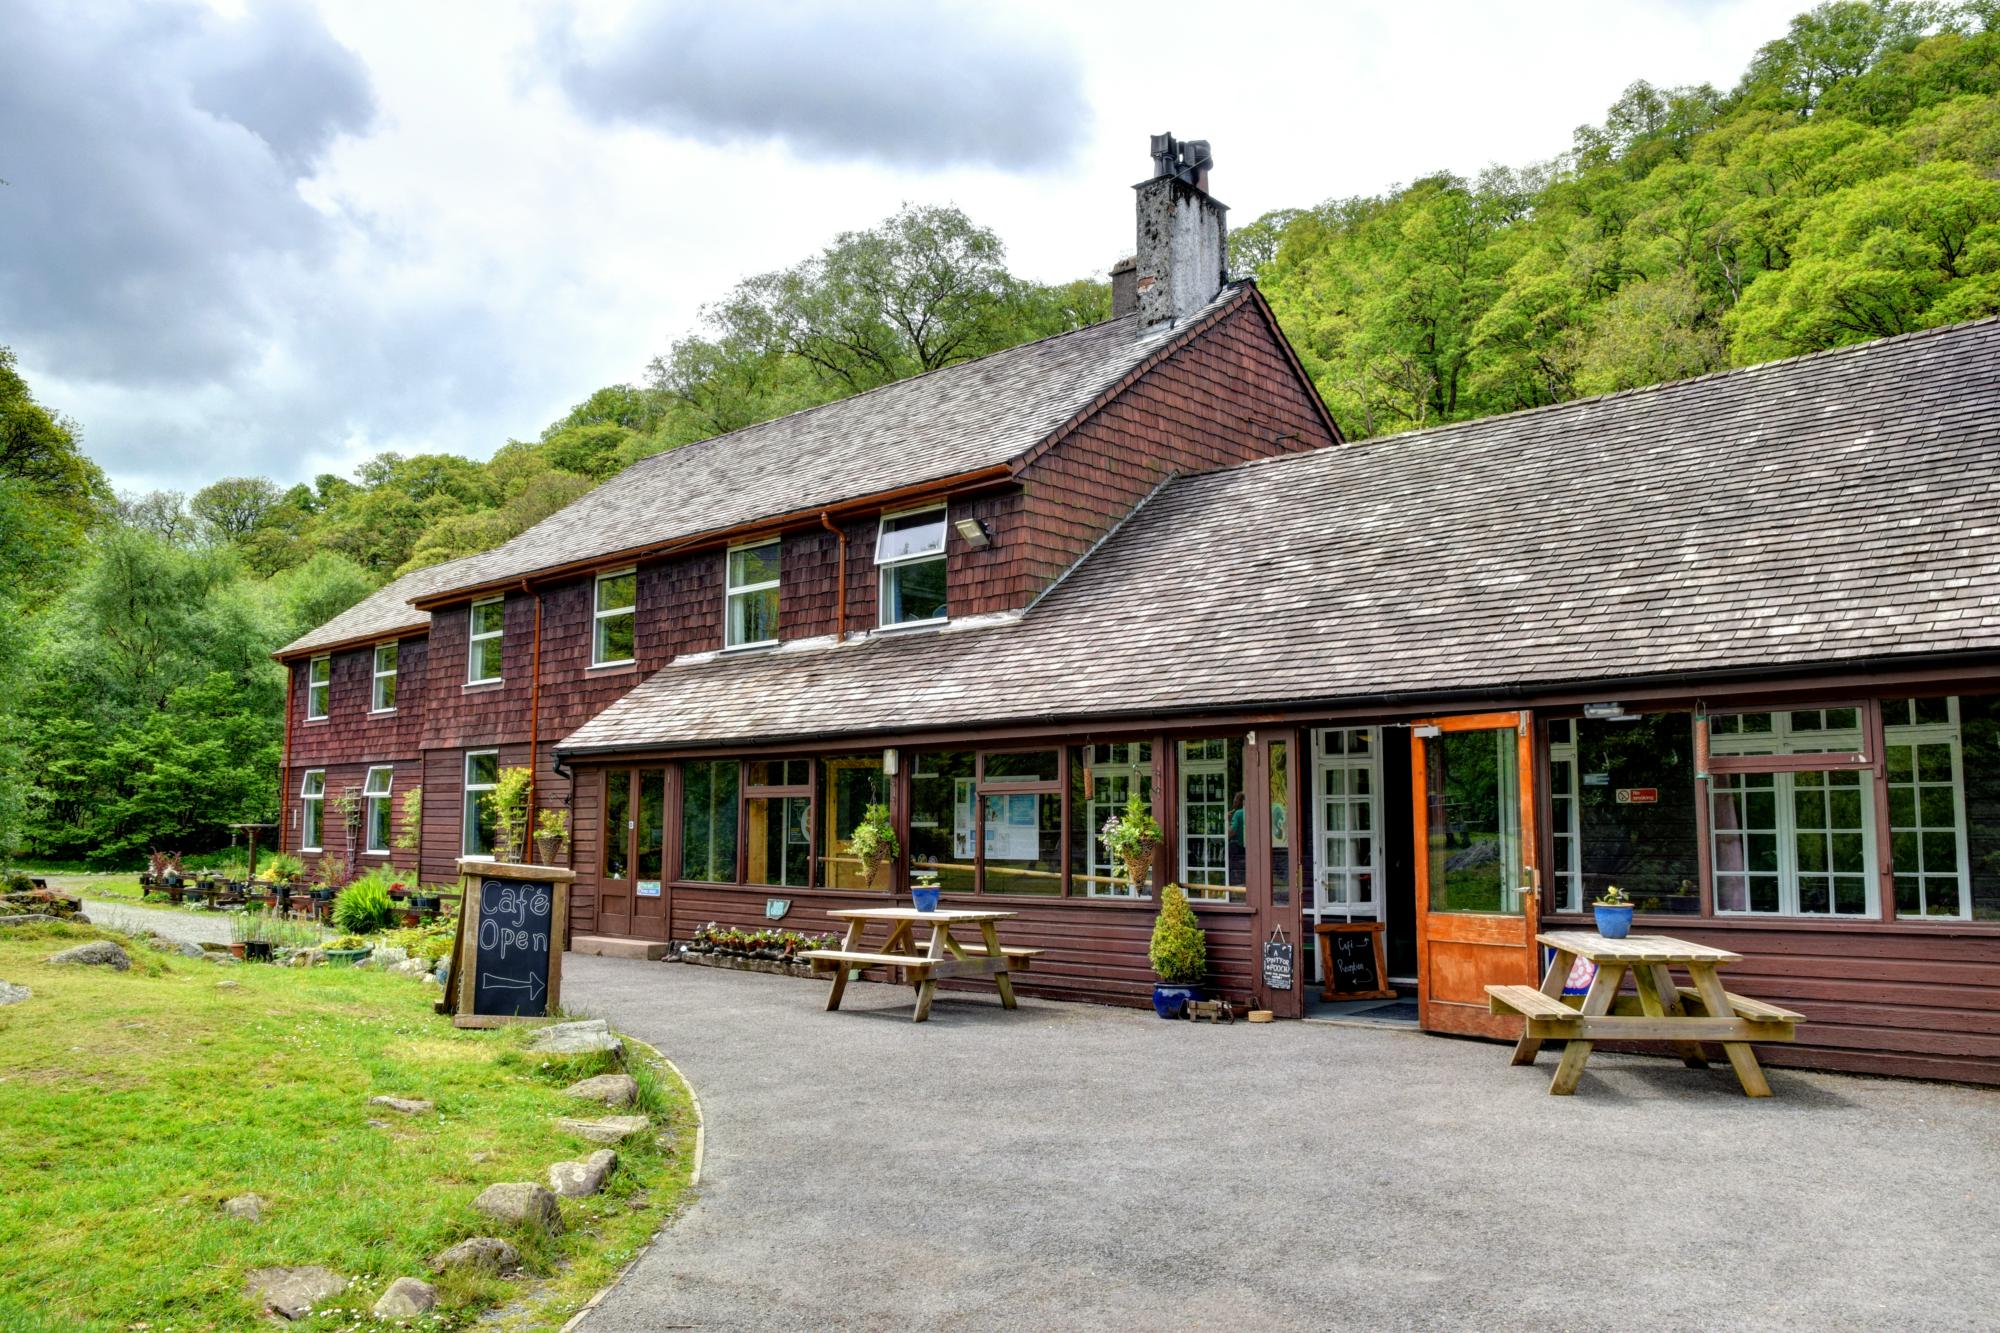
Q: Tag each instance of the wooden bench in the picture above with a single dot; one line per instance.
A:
(1529, 1003)
(1755, 1011)
(826, 960)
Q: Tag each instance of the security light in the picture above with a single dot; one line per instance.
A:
(974, 531)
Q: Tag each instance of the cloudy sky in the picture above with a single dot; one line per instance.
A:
(277, 237)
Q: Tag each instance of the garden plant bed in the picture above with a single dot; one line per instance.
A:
(741, 963)
(771, 949)
(225, 1081)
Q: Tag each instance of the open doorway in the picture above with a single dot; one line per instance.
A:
(1360, 876)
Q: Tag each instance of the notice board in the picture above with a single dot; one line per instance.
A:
(1351, 961)
(512, 928)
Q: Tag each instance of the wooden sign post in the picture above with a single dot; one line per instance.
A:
(512, 928)
(1351, 961)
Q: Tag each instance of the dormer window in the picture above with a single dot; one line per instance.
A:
(910, 553)
(753, 595)
(483, 657)
(617, 596)
(319, 685)
(385, 678)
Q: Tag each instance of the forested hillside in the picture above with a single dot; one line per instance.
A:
(1847, 188)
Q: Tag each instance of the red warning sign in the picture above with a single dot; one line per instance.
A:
(1638, 796)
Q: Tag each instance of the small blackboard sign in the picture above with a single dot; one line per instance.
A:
(1278, 964)
(1351, 959)
(508, 966)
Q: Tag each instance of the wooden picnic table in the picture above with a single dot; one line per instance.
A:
(942, 956)
(1686, 1016)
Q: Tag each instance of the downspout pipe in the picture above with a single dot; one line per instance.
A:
(285, 757)
(840, 591)
(534, 718)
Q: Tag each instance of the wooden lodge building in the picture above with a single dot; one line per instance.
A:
(1729, 643)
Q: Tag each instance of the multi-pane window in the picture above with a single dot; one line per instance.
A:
(319, 686)
(482, 774)
(1348, 776)
(483, 655)
(1793, 843)
(1565, 827)
(385, 678)
(1622, 811)
(777, 819)
(375, 813)
(1212, 861)
(753, 595)
(1925, 760)
(312, 809)
(910, 553)
(1103, 779)
(617, 596)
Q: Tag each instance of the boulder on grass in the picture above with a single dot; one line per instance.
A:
(28, 919)
(97, 953)
(404, 1105)
(577, 1180)
(611, 1089)
(406, 1298)
(293, 1292)
(587, 1037)
(610, 1129)
(249, 1207)
(522, 1204)
(482, 1254)
(12, 994)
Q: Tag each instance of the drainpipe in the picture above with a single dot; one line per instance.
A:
(534, 718)
(840, 593)
(285, 758)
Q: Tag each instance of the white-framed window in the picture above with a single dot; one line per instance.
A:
(1792, 843)
(319, 686)
(617, 596)
(909, 550)
(375, 814)
(312, 809)
(1565, 817)
(385, 678)
(1348, 775)
(485, 641)
(752, 597)
(1924, 758)
(482, 774)
(1116, 771)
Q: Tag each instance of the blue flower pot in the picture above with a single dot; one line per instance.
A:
(1613, 923)
(926, 900)
(1169, 1000)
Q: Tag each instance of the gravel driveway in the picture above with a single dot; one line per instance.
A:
(186, 927)
(1067, 1166)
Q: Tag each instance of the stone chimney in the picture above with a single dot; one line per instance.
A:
(1183, 259)
(1124, 287)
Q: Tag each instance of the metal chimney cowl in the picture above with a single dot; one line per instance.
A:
(1182, 232)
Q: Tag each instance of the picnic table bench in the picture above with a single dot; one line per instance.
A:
(1686, 1016)
(942, 956)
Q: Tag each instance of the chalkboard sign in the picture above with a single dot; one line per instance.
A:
(1350, 957)
(508, 964)
(1277, 965)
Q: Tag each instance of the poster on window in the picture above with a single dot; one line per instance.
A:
(1013, 825)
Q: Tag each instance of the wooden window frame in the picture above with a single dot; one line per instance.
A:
(475, 637)
(319, 691)
(369, 801)
(731, 591)
(312, 808)
(469, 815)
(745, 793)
(376, 706)
(599, 616)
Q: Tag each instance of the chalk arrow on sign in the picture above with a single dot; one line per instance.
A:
(530, 983)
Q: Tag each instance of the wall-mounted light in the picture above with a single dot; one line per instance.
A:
(974, 531)
(889, 763)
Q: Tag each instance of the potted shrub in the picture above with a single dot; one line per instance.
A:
(347, 950)
(1179, 954)
(873, 843)
(551, 836)
(1614, 913)
(1130, 837)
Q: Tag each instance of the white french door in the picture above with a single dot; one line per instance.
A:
(1347, 801)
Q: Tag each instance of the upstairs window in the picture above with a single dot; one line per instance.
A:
(488, 618)
(312, 809)
(319, 685)
(385, 678)
(375, 818)
(617, 595)
(753, 595)
(910, 553)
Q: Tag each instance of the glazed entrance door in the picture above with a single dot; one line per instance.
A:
(631, 888)
(1475, 859)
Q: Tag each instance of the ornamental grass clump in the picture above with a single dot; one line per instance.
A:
(364, 906)
(1180, 947)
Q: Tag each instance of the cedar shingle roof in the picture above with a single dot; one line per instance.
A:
(382, 612)
(959, 419)
(1827, 509)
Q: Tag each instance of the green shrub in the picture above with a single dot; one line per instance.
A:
(430, 941)
(284, 868)
(364, 906)
(1180, 948)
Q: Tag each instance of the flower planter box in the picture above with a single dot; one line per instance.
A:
(346, 957)
(738, 963)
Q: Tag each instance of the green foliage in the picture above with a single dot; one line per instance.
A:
(1131, 836)
(410, 820)
(553, 826)
(283, 868)
(873, 841)
(507, 803)
(364, 906)
(1179, 952)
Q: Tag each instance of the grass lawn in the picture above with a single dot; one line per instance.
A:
(132, 1104)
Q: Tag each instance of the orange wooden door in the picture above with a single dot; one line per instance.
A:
(1473, 781)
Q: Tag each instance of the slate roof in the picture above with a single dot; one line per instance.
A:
(1822, 510)
(958, 419)
(382, 612)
